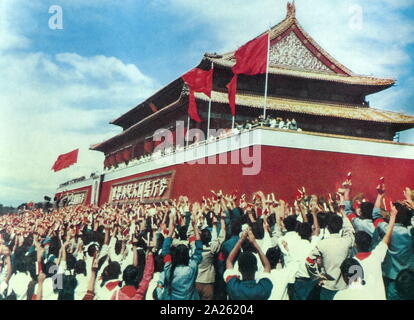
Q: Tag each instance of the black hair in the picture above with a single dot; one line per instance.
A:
(258, 229)
(309, 216)
(158, 263)
(80, 267)
(273, 255)
(54, 246)
(366, 210)
(351, 268)
(304, 230)
(111, 271)
(118, 247)
(335, 223)
(180, 257)
(69, 284)
(271, 220)
(247, 264)
(70, 261)
(290, 223)
(22, 264)
(236, 227)
(322, 219)
(131, 276)
(363, 241)
(404, 214)
(405, 284)
(247, 246)
(205, 237)
(92, 250)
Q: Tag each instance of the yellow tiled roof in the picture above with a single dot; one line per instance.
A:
(358, 80)
(312, 108)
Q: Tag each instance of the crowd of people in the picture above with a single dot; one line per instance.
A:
(269, 121)
(339, 247)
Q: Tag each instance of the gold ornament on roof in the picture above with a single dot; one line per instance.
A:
(291, 9)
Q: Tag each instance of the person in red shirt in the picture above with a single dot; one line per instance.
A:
(135, 287)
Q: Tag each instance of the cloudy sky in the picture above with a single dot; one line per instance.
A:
(60, 88)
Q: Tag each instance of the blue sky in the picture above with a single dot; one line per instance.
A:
(60, 88)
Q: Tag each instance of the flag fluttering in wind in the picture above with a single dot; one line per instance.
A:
(65, 160)
(251, 59)
(197, 80)
(153, 107)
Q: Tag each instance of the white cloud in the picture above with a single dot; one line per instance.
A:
(376, 49)
(54, 104)
(8, 38)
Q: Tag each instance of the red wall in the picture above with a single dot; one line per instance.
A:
(283, 170)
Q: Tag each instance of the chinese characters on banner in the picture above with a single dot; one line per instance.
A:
(145, 189)
(71, 199)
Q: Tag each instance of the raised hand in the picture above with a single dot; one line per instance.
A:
(381, 187)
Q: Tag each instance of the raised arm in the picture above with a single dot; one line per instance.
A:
(233, 254)
(393, 216)
(40, 279)
(90, 293)
(263, 258)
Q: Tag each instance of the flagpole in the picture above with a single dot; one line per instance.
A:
(209, 109)
(232, 124)
(267, 76)
(188, 130)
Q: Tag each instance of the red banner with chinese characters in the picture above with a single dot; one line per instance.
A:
(148, 189)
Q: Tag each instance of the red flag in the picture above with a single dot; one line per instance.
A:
(126, 153)
(148, 146)
(198, 80)
(65, 160)
(111, 160)
(119, 157)
(153, 107)
(232, 88)
(251, 59)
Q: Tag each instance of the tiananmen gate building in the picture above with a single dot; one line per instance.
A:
(340, 132)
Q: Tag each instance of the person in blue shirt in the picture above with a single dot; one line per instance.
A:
(180, 270)
(248, 286)
(400, 251)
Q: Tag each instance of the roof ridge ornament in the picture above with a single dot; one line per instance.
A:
(291, 9)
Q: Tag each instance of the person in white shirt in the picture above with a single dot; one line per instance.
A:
(20, 280)
(293, 240)
(303, 283)
(81, 279)
(363, 274)
(280, 276)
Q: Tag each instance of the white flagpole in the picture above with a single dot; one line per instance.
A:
(209, 108)
(267, 76)
(188, 130)
(232, 125)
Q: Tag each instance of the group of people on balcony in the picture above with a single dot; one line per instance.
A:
(272, 122)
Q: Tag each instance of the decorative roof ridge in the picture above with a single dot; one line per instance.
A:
(291, 21)
(311, 74)
(97, 145)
